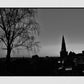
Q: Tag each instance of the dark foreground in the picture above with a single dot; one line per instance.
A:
(39, 67)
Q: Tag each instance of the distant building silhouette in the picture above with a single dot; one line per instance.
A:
(35, 57)
(63, 52)
(71, 59)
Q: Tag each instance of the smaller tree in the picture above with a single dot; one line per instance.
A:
(18, 28)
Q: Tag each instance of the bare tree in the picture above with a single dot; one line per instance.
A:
(18, 27)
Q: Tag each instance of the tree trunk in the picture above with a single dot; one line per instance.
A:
(8, 63)
(8, 53)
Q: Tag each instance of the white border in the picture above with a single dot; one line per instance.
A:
(41, 80)
(41, 3)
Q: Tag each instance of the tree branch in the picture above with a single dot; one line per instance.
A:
(3, 41)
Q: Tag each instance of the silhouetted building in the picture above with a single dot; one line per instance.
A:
(83, 52)
(63, 52)
(35, 57)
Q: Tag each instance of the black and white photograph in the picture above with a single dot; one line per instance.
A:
(41, 41)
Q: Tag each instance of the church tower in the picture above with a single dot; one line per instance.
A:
(63, 52)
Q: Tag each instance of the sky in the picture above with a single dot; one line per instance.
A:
(57, 22)
(54, 23)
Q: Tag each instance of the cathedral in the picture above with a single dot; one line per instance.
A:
(71, 56)
(63, 52)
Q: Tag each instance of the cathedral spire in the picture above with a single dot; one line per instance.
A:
(63, 48)
(63, 52)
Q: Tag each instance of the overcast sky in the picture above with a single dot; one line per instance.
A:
(57, 22)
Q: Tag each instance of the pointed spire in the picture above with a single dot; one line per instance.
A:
(63, 48)
(63, 52)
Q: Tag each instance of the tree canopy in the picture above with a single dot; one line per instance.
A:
(18, 27)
